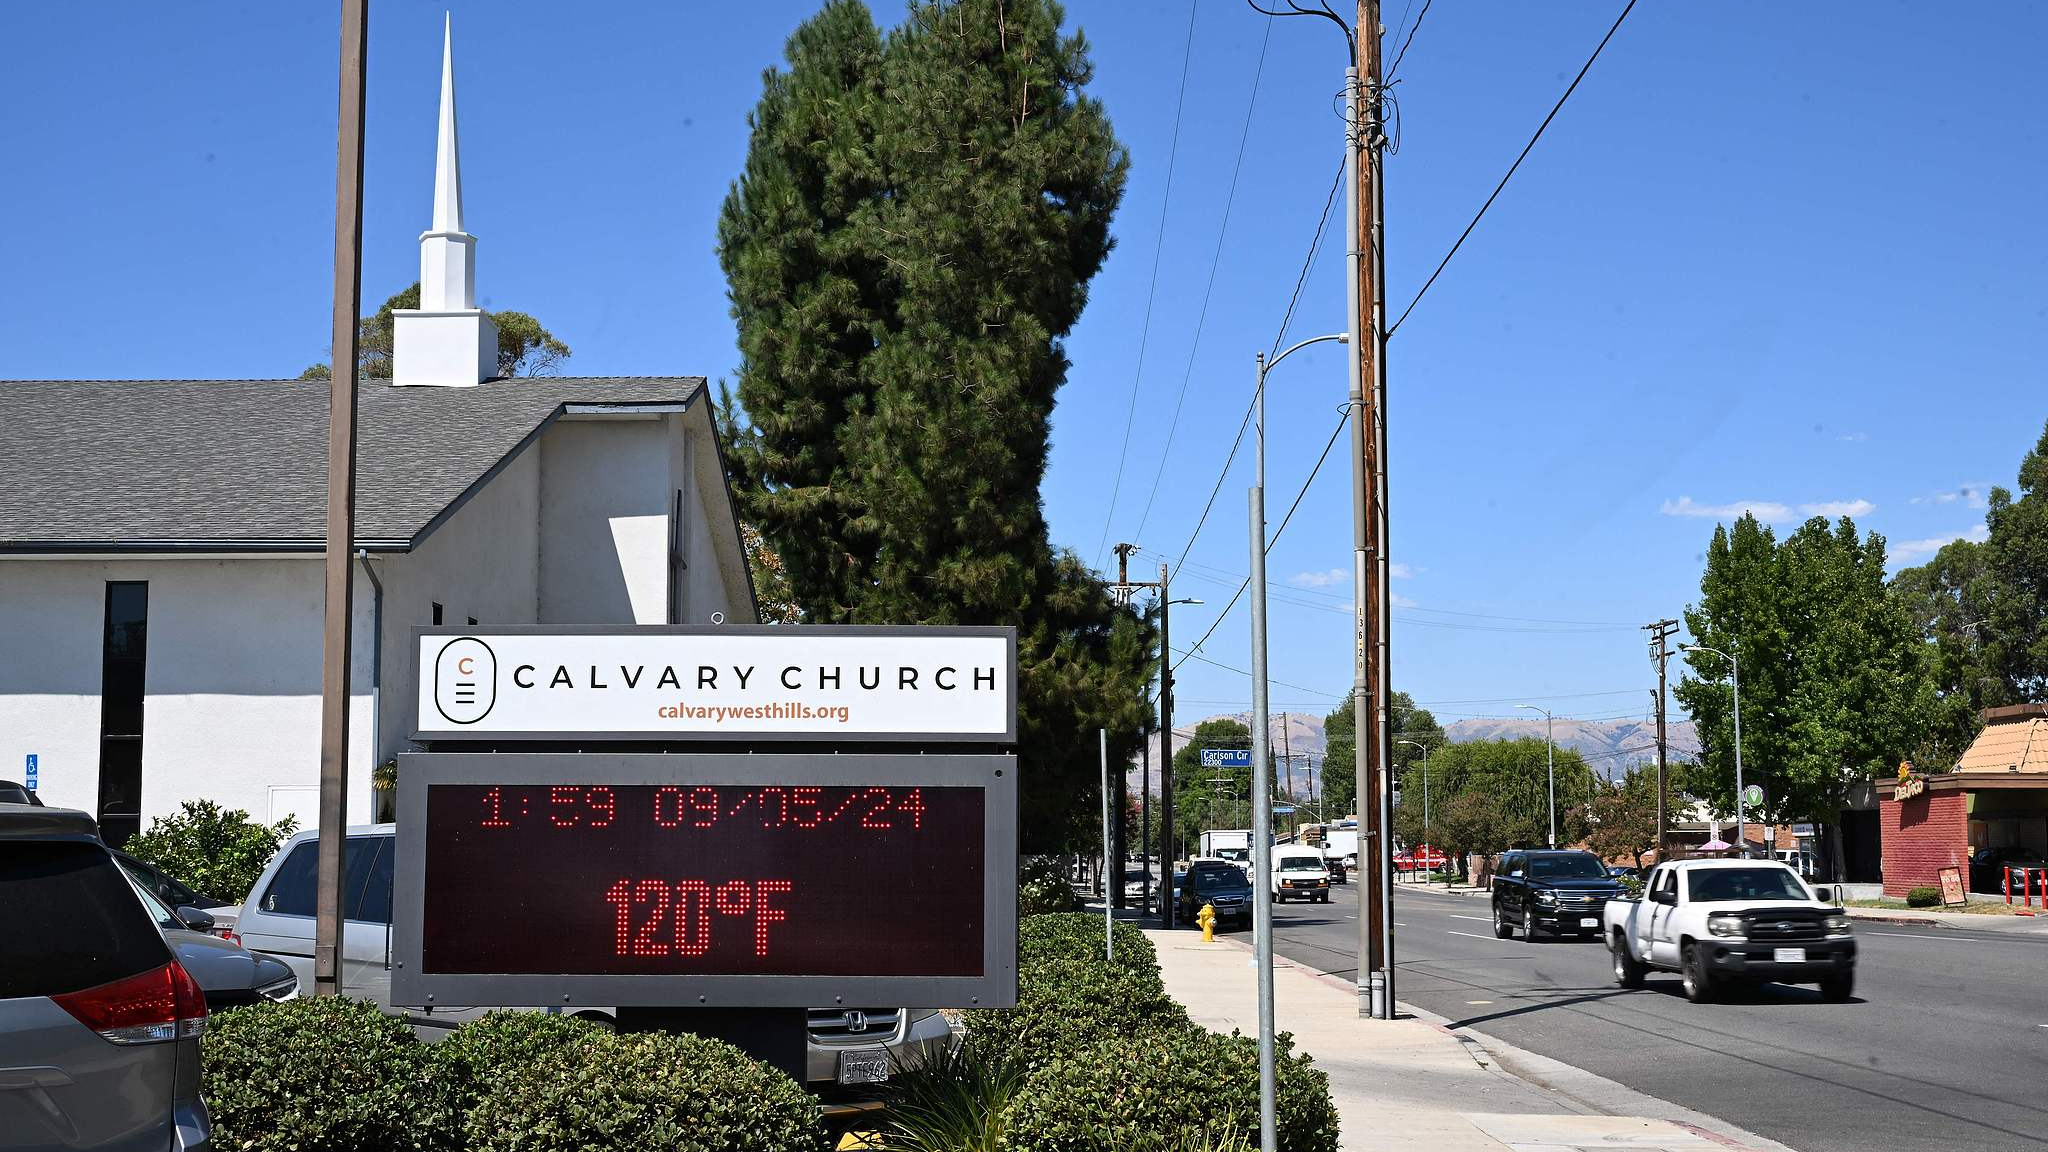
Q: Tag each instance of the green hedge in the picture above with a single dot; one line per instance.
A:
(1078, 936)
(1923, 897)
(1129, 1091)
(1063, 1005)
(499, 1045)
(319, 1075)
(218, 851)
(644, 1091)
(1042, 887)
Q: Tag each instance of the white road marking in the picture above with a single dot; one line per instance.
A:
(1489, 1002)
(1473, 935)
(1482, 919)
(1911, 936)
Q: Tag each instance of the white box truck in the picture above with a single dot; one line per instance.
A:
(1342, 844)
(1232, 844)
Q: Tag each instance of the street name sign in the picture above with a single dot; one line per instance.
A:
(1226, 757)
(720, 879)
(752, 683)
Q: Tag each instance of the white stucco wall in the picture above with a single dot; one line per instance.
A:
(482, 562)
(605, 492)
(232, 682)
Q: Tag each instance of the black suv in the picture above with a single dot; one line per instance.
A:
(1558, 891)
(1222, 885)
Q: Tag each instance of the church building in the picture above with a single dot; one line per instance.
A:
(161, 545)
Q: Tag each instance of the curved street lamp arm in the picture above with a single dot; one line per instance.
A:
(1339, 337)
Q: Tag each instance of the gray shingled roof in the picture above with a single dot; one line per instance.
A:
(243, 463)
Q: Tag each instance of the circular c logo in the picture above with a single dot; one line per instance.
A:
(465, 680)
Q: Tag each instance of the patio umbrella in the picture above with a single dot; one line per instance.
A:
(1716, 845)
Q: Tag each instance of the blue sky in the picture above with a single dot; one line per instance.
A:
(1787, 257)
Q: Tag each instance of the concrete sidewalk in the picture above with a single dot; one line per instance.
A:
(1413, 1085)
(1975, 921)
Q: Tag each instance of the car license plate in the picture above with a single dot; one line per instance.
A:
(1789, 955)
(863, 1067)
(1589, 921)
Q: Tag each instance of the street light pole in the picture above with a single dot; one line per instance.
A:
(1734, 682)
(1262, 798)
(1550, 766)
(1426, 842)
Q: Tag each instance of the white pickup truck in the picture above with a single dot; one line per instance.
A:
(1717, 922)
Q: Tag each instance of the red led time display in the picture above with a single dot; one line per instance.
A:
(703, 879)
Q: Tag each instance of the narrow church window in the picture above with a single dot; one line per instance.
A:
(124, 649)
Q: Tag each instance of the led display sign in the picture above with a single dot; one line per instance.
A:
(670, 879)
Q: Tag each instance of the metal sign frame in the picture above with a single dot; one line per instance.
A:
(996, 987)
(443, 732)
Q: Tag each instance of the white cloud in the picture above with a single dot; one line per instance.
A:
(1770, 511)
(1973, 493)
(1327, 579)
(1401, 601)
(1401, 571)
(1834, 508)
(1761, 509)
(1900, 551)
(1853, 437)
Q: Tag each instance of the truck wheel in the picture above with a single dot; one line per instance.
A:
(1628, 973)
(1501, 928)
(1699, 981)
(1836, 989)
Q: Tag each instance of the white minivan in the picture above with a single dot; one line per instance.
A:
(1300, 873)
(848, 1047)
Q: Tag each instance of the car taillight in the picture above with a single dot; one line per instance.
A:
(160, 1004)
(229, 935)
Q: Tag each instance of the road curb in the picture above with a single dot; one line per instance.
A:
(1584, 1091)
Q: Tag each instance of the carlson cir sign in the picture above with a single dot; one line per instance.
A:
(743, 682)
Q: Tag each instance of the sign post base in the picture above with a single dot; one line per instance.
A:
(774, 1036)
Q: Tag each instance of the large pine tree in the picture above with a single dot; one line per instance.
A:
(909, 244)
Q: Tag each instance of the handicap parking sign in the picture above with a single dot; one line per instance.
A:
(31, 771)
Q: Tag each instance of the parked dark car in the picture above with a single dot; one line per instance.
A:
(95, 1010)
(1560, 892)
(1180, 876)
(15, 792)
(174, 892)
(1988, 865)
(229, 974)
(1218, 883)
(1337, 872)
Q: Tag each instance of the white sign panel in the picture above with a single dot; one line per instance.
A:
(761, 683)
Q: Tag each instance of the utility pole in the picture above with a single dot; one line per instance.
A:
(1287, 758)
(1660, 632)
(1145, 816)
(1166, 842)
(341, 502)
(1372, 733)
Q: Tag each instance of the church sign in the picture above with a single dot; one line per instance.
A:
(739, 683)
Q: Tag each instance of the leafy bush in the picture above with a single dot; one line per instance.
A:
(1128, 1092)
(1042, 887)
(1063, 1005)
(218, 851)
(319, 1075)
(1923, 897)
(643, 1091)
(1078, 936)
(499, 1044)
(957, 1102)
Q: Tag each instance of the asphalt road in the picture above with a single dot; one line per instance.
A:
(1945, 1046)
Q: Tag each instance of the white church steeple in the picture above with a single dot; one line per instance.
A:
(448, 341)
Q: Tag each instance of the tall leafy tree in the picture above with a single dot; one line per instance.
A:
(1624, 815)
(2016, 552)
(524, 347)
(1340, 779)
(1489, 795)
(1950, 599)
(1834, 681)
(906, 249)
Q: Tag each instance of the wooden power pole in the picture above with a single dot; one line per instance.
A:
(341, 502)
(1659, 632)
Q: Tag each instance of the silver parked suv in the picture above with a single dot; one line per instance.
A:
(99, 1024)
(848, 1050)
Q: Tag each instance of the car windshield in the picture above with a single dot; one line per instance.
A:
(1223, 877)
(1300, 864)
(1574, 867)
(1708, 884)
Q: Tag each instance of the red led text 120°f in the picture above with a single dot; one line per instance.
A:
(680, 918)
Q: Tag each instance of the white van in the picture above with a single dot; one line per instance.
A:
(846, 1046)
(1300, 872)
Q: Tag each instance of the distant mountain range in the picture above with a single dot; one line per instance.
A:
(1611, 747)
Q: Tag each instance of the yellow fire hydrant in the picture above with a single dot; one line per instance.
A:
(1207, 919)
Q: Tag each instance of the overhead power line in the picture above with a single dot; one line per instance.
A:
(1215, 261)
(1315, 247)
(1403, 53)
(1152, 291)
(1526, 148)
